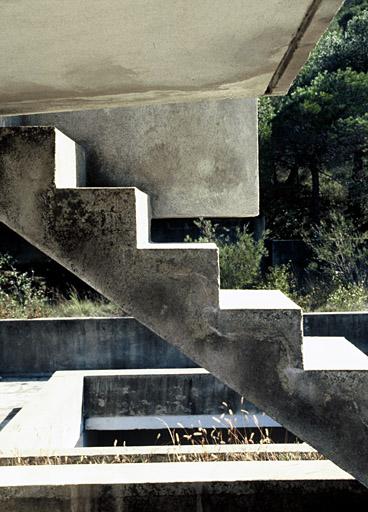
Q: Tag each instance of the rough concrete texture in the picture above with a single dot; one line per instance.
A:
(194, 159)
(95, 54)
(252, 342)
(198, 487)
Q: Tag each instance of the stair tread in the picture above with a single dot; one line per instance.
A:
(332, 353)
(255, 299)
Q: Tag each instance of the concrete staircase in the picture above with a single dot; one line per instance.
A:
(251, 340)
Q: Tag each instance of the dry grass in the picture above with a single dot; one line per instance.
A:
(202, 445)
(172, 456)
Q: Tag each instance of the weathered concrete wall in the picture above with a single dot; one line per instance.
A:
(49, 345)
(353, 326)
(98, 53)
(194, 160)
(151, 393)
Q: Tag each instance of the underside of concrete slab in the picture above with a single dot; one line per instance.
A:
(97, 54)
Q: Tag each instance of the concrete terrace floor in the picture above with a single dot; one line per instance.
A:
(15, 392)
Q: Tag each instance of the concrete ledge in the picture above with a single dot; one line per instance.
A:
(207, 487)
(170, 472)
(52, 419)
(8, 459)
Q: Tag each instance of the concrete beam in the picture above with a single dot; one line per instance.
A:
(194, 159)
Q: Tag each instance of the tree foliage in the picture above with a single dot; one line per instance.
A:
(314, 141)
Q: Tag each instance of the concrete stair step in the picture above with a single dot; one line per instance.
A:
(332, 353)
(255, 299)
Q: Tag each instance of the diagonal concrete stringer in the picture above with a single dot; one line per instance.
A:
(251, 340)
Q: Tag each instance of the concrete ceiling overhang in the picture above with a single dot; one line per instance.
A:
(89, 54)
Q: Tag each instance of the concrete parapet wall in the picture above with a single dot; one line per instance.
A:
(9, 121)
(156, 392)
(47, 345)
(352, 325)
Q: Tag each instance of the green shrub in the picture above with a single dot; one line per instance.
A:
(338, 272)
(281, 277)
(340, 253)
(351, 297)
(340, 261)
(240, 259)
(21, 294)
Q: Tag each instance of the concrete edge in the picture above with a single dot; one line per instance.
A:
(168, 472)
(276, 448)
(129, 318)
(314, 24)
(54, 417)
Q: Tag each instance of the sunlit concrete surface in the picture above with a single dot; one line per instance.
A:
(332, 353)
(15, 393)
